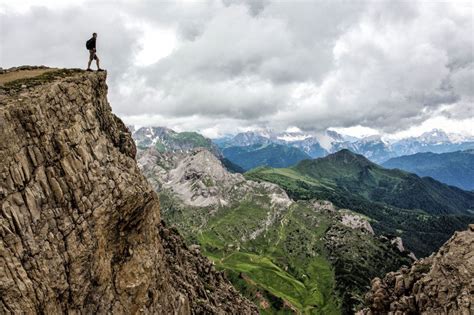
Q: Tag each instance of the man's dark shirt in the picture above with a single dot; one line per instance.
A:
(92, 43)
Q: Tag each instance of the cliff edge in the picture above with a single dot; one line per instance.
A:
(80, 225)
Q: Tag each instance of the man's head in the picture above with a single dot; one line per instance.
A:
(94, 35)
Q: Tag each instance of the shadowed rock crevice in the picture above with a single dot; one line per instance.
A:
(80, 226)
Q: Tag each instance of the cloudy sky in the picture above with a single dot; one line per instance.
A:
(390, 67)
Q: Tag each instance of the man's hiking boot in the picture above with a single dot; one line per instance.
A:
(88, 69)
(100, 69)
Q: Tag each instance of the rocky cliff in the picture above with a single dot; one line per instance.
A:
(440, 284)
(80, 226)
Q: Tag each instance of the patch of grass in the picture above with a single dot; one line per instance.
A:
(46, 77)
(270, 277)
(308, 281)
(160, 146)
(276, 262)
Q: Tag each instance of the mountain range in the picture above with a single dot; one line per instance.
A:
(397, 201)
(453, 168)
(375, 148)
(167, 140)
(266, 148)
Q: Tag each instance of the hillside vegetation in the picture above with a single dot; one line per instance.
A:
(422, 211)
(307, 260)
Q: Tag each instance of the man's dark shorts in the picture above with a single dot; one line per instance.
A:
(92, 55)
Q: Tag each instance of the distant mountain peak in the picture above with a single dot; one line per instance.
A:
(292, 137)
(434, 136)
(348, 156)
(372, 138)
(334, 134)
(165, 139)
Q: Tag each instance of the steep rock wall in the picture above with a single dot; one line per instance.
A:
(80, 226)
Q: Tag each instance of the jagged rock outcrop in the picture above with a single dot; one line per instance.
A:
(357, 221)
(79, 224)
(200, 179)
(440, 284)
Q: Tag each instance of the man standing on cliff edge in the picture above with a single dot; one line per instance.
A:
(90, 45)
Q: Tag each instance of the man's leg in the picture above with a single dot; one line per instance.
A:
(97, 61)
(91, 56)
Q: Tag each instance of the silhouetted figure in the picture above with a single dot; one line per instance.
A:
(90, 45)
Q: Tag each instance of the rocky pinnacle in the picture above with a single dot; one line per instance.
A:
(440, 284)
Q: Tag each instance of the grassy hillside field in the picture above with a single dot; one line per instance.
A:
(306, 261)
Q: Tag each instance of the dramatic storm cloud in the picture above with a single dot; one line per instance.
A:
(222, 66)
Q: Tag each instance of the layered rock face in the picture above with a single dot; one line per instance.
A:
(80, 225)
(200, 179)
(440, 284)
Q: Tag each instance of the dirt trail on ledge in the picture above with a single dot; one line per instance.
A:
(22, 74)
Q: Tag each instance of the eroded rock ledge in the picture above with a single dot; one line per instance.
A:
(80, 226)
(440, 284)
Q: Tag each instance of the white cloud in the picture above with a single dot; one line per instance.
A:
(463, 127)
(155, 44)
(218, 66)
(357, 131)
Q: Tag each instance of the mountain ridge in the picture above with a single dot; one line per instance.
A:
(453, 168)
(327, 167)
(270, 154)
(400, 203)
(168, 140)
(376, 148)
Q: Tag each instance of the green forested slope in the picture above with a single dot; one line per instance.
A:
(421, 210)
